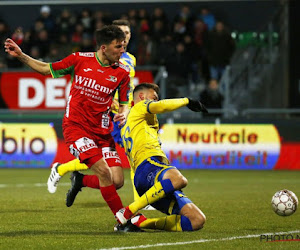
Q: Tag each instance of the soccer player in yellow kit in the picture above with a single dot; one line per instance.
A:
(156, 181)
(59, 170)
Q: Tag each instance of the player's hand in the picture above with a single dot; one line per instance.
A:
(121, 118)
(12, 48)
(196, 106)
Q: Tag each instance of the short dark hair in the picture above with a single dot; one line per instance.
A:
(121, 22)
(146, 85)
(107, 34)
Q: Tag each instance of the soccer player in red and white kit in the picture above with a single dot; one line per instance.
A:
(86, 124)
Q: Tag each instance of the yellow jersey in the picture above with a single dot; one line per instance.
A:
(140, 132)
(129, 61)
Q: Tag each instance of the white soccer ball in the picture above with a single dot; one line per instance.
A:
(284, 202)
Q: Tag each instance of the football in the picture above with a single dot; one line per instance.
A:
(284, 202)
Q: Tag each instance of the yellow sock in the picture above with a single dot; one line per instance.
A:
(155, 193)
(71, 166)
(135, 194)
(171, 223)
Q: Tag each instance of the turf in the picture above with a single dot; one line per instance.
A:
(236, 203)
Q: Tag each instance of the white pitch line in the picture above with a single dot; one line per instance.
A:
(198, 241)
(22, 185)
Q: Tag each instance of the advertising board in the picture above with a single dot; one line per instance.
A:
(25, 145)
(226, 146)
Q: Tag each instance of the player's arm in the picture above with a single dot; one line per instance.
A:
(123, 109)
(123, 101)
(14, 50)
(168, 105)
(121, 116)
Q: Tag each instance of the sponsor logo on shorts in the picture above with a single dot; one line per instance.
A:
(84, 144)
(109, 153)
(74, 151)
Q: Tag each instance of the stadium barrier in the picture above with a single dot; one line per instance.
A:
(34, 139)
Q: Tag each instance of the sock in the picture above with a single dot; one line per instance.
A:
(171, 223)
(91, 181)
(112, 198)
(155, 193)
(135, 193)
(186, 224)
(71, 166)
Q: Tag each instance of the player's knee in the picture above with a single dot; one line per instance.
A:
(198, 221)
(102, 171)
(195, 215)
(118, 183)
(180, 182)
(184, 181)
(118, 177)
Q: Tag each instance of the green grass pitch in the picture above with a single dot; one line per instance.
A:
(236, 204)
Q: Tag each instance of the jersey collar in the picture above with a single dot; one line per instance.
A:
(103, 65)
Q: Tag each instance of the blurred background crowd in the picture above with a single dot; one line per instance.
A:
(194, 41)
(194, 46)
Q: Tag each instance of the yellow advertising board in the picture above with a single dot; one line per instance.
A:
(228, 146)
(27, 145)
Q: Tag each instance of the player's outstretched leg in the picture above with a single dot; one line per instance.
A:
(171, 223)
(79, 181)
(172, 180)
(76, 185)
(158, 191)
(74, 165)
(53, 178)
(186, 216)
(59, 170)
(129, 226)
(135, 194)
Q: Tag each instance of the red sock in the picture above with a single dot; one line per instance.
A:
(91, 181)
(112, 198)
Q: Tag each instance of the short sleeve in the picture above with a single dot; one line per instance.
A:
(124, 90)
(63, 67)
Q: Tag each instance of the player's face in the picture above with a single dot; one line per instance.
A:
(127, 32)
(151, 95)
(114, 50)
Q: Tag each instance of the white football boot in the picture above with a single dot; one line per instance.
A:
(149, 207)
(53, 178)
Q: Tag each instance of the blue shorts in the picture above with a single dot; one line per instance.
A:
(151, 171)
(116, 133)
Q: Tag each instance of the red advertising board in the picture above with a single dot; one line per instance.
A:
(30, 90)
(289, 157)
